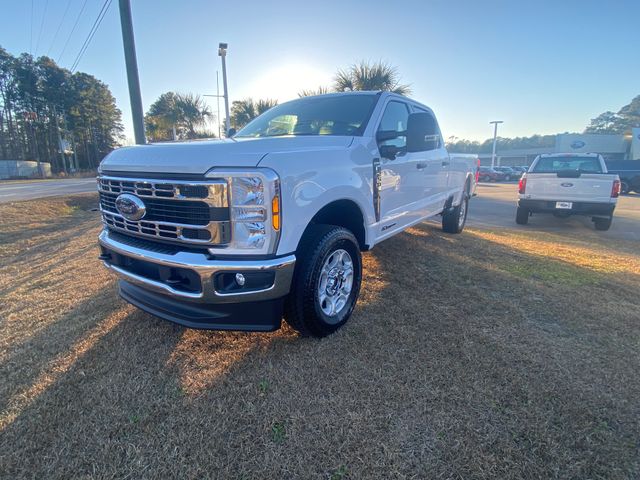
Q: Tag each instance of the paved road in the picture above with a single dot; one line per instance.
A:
(28, 190)
(495, 205)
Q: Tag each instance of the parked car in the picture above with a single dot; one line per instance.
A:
(629, 173)
(567, 184)
(520, 169)
(236, 233)
(509, 173)
(488, 174)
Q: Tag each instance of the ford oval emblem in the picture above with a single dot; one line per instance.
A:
(577, 144)
(130, 207)
(566, 184)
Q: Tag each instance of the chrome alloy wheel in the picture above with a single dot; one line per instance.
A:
(336, 281)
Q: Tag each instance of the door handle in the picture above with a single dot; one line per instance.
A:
(421, 165)
(445, 163)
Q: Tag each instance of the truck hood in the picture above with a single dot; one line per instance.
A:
(197, 157)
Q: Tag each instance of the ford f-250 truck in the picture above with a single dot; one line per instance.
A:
(567, 184)
(237, 233)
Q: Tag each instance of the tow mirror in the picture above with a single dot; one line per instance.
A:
(422, 132)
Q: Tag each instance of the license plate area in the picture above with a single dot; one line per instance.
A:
(564, 205)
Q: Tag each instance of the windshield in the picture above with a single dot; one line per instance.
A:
(574, 163)
(322, 115)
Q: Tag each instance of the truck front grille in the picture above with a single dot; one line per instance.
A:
(176, 211)
(187, 212)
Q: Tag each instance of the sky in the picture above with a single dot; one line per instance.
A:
(540, 66)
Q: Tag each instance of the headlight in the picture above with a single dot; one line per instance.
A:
(254, 206)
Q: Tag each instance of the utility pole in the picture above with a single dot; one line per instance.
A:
(132, 71)
(495, 138)
(222, 52)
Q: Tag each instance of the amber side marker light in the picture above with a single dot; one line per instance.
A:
(275, 213)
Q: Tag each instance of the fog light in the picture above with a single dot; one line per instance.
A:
(240, 279)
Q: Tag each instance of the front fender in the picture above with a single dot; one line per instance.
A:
(312, 180)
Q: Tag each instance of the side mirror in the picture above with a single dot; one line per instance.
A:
(422, 133)
(231, 132)
(389, 151)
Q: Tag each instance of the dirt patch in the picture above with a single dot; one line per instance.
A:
(488, 354)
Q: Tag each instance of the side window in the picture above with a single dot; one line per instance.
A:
(395, 119)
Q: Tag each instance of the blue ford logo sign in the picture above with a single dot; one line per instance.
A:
(577, 144)
(130, 207)
(566, 184)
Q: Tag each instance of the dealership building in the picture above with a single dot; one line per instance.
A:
(611, 147)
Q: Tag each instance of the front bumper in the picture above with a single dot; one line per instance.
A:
(185, 286)
(578, 208)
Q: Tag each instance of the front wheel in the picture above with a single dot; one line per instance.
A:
(326, 281)
(624, 187)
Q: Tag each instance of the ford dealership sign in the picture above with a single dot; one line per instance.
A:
(577, 144)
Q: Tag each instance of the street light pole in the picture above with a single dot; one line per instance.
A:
(495, 138)
(218, 102)
(132, 71)
(222, 52)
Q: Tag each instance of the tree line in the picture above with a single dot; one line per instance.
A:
(612, 123)
(49, 114)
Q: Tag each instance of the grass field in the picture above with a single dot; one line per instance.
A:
(491, 354)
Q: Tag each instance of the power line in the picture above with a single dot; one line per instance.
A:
(31, 35)
(92, 32)
(55, 36)
(44, 16)
(73, 29)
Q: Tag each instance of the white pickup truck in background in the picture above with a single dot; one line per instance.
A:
(565, 184)
(236, 233)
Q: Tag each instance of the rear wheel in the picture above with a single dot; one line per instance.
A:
(454, 219)
(326, 282)
(522, 216)
(603, 223)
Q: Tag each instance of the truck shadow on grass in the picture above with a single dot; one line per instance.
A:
(463, 359)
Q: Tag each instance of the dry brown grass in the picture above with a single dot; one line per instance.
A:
(489, 354)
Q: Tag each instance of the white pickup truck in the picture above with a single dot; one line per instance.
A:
(567, 184)
(237, 233)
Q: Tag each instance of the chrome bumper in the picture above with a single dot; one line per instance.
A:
(205, 268)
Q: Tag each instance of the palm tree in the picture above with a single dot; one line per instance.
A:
(243, 111)
(265, 104)
(370, 76)
(193, 112)
(310, 93)
(177, 115)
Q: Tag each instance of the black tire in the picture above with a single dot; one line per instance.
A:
(454, 219)
(624, 187)
(603, 223)
(522, 216)
(302, 309)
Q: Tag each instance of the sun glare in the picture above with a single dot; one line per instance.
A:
(285, 82)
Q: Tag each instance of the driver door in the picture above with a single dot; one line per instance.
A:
(401, 186)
